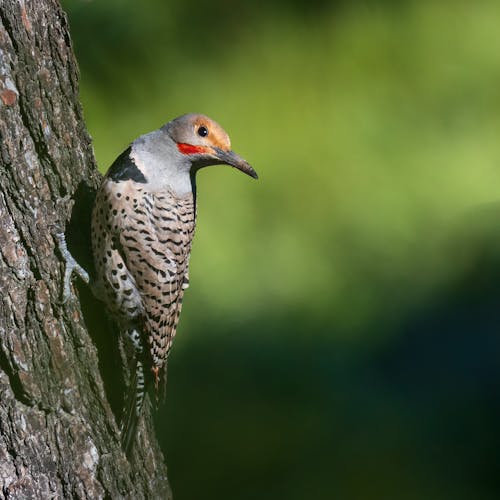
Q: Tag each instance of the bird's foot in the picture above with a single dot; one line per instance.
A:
(71, 266)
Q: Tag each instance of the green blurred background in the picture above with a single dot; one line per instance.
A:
(341, 337)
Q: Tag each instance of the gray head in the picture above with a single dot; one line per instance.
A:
(204, 142)
(172, 154)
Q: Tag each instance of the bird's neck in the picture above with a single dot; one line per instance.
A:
(164, 168)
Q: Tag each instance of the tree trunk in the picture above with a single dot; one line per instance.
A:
(59, 392)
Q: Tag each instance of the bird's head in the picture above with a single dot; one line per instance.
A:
(204, 142)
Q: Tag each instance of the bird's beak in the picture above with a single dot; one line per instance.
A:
(236, 161)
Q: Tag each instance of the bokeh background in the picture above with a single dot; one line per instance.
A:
(341, 337)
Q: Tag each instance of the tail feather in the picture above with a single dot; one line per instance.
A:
(161, 392)
(133, 408)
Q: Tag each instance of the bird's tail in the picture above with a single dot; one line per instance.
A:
(161, 390)
(133, 407)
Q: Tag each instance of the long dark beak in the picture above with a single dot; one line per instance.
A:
(236, 161)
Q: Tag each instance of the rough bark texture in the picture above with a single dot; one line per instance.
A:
(58, 367)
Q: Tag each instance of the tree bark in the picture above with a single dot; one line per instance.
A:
(60, 395)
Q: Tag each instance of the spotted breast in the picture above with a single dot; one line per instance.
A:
(141, 243)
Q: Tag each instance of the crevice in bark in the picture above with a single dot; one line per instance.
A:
(15, 383)
(20, 231)
(9, 31)
(26, 240)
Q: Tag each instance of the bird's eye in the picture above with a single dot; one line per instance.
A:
(202, 131)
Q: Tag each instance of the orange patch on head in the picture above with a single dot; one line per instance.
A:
(216, 137)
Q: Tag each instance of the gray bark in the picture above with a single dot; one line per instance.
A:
(58, 406)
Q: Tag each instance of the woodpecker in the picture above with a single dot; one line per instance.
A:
(143, 222)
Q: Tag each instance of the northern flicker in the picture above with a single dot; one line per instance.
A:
(143, 224)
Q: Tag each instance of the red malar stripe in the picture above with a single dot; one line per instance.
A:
(189, 149)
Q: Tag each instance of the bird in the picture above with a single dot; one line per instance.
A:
(142, 227)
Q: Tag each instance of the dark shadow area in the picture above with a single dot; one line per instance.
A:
(78, 235)
(102, 329)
